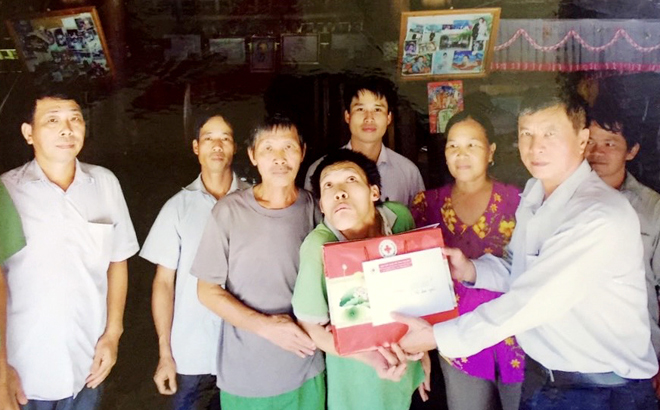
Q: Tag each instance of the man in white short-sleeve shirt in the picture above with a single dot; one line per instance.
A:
(68, 285)
(188, 333)
(573, 277)
(368, 115)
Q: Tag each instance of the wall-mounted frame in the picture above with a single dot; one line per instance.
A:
(447, 43)
(262, 54)
(63, 43)
(300, 49)
(231, 50)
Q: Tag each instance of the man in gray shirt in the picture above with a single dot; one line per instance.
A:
(612, 143)
(247, 264)
(368, 114)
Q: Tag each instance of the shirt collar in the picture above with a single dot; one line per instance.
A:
(534, 192)
(33, 173)
(387, 215)
(629, 183)
(382, 157)
(198, 185)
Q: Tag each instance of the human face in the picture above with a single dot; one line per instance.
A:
(347, 199)
(57, 131)
(607, 153)
(467, 151)
(550, 147)
(215, 145)
(368, 117)
(277, 154)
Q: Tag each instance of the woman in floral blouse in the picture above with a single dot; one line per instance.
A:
(477, 215)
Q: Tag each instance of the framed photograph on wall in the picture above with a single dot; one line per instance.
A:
(63, 43)
(300, 49)
(445, 100)
(231, 50)
(262, 54)
(447, 43)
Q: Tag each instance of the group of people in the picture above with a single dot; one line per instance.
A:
(556, 286)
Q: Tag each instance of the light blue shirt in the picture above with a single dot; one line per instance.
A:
(399, 176)
(574, 281)
(646, 203)
(172, 242)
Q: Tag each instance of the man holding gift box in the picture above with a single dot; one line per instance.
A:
(348, 185)
(573, 276)
(247, 263)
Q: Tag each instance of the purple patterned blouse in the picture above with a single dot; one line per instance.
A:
(490, 234)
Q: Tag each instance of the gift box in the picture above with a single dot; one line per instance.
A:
(368, 279)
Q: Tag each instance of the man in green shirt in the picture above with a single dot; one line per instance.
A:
(348, 187)
(11, 241)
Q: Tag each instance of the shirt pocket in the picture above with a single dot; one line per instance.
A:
(101, 235)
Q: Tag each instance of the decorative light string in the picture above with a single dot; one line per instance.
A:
(572, 33)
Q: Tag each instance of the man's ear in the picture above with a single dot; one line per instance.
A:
(375, 193)
(195, 146)
(632, 152)
(26, 130)
(389, 118)
(250, 152)
(583, 138)
(304, 150)
(347, 116)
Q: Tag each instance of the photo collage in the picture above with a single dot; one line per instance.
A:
(446, 44)
(64, 46)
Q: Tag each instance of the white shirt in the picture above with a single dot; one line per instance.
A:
(399, 176)
(172, 242)
(58, 283)
(574, 281)
(646, 203)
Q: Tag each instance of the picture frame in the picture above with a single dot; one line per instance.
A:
(300, 49)
(230, 49)
(262, 54)
(445, 99)
(63, 43)
(447, 43)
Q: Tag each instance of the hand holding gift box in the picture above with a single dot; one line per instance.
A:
(367, 280)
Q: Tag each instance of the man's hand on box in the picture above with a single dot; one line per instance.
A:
(462, 269)
(419, 338)
(285, 333)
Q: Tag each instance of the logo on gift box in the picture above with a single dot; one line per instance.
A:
(387, 248)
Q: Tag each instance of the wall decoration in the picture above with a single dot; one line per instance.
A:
(300, 49)
(447, 43)
(183, 46)
(445, 100)
(578, 45)
(262, 54)
(63, 43)
(231, 50)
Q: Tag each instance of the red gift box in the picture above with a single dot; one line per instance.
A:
(348, 295)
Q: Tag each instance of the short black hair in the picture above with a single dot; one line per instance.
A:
(202, 117)
(481, 119)
(273, 122)
(379, 86)
(54, 92)
(538, 99)
(346, 155)
(608, 115)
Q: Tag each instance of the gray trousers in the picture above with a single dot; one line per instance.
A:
(465, 392)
